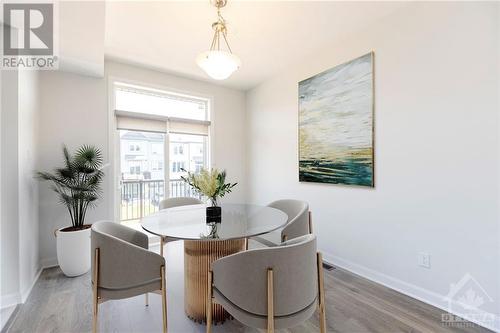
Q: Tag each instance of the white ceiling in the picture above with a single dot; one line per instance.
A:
(268, 36)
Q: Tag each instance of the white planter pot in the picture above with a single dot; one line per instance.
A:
(73, 251)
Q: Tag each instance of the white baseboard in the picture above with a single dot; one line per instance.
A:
(10, 300)
(49, 262)
(406, 288)
(26, 293)
(7, 316)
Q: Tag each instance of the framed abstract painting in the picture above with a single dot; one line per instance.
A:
(336, 120)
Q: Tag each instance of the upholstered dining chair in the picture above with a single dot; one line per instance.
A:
(175, 202)
(299, 222)
(122, 267)
(276, 287)
(180, 201)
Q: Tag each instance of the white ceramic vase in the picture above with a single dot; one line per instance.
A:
(73, 251)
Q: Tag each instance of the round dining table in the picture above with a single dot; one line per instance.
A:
(206, 242)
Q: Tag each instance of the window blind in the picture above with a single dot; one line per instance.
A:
(187, 126)
(133, 121)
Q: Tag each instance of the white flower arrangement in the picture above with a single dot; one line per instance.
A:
(210, 183)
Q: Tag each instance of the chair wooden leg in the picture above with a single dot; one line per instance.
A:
(95, 300)
(209, 302)
(270, 301)
(310, 223)
(321, 296)
(146, 299)
(162, 243)
(163, 298)
(246, 243)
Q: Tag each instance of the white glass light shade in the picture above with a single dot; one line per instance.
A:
(219, 65)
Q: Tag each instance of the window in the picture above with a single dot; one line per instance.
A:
(198, 166)
(178, 166)
(147, 120)
(135, 170)
(157, 165)
(161, 103)
(178, 149)
(194, 151)
(134, 147)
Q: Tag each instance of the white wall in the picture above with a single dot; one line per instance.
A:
(9, 227)
(81, 37)
(436, 151)
(20, 264)
(74, 110)
(29, 261)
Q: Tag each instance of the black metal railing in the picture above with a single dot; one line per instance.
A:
(140, 198)
(179, 188)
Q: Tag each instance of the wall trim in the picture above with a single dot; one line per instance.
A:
(408, 289)
(26, 293)
(10, 317)
(49, 262)
(10, 300)
(15, 299)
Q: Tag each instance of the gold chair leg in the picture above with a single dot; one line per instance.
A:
(161, 245)
(146, 299)
(95, 300)
(270, 301)
(209, 302)
(321, 289)
(163, 298)
(310, 223)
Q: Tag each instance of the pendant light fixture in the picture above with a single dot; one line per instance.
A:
(218, 63)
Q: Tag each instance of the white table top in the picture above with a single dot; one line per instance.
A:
(238, 221)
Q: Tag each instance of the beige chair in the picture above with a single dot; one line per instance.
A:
(276, 287)
(175, 202)
(122, 267)
(180, 201)
(299, 222)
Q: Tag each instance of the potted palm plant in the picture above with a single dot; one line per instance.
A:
(78, 187)
(212, 184)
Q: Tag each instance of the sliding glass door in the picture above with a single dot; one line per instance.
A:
(142, 163)
(188, 152)
(161, 137)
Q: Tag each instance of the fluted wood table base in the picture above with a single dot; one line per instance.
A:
(198, 255)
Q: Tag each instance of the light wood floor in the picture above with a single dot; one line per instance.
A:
(354, 304)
